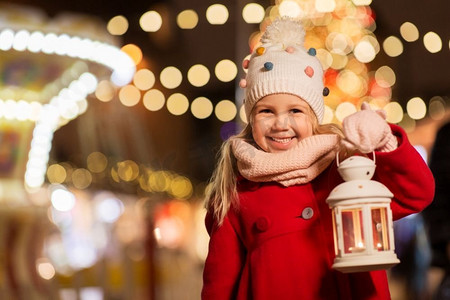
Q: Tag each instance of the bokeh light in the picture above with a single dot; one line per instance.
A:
(171, 77)
(394, 112)
(105, 91)
(393, 46)
(436, 108)
(81, 178)
(118, 25)
(409, 32)
(134, 52)
(154, 100)
(432, 42)
(226, 70)
(177, 104)
(385, 76)
(96, 162)
(56, 173)
(225, 110)
(416, 108)
(344, 109)
(291, 9)
(198, 75)
(217, 14)
(144, 79)
(201, 108)
(187, 19)
(150, 21)
(324, 6)
(129, 95)
(253, 13)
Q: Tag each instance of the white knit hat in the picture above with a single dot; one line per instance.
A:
(282, 65)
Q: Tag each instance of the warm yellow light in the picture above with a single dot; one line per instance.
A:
(144, 79)
(81, 178)
(117, 25)
(134, 52)
(325, 6)
(328, 115)
(127, 170)
(350, 83)
(56, 173)
(201, 108)
(177, 104)
(150, 21)
(242, 114)
(45, 269)
(436, 108)
(154, 100)
(416, 108)
(393, 46)
(171, 77)
(339, 61)
(344, 109)
(187, 19)
(253, 13)
(325, 58)
(129, 95)
(198, 75)
(394, 112)
(339, 43)
(96, 162)
(217, 14)
(291, 9)
(225, 110)
(432, 42)
(407, 123)
(385, 76)
(362, 2)
(409, 32)
(105, 91)
(364, 51)
(226, 70)
(181, 187)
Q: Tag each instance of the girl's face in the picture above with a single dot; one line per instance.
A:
(280, 122)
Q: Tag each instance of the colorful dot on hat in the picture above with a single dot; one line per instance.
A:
(309, 71)
(326, 91)
(243, 83)
(268, 66)
(260, 50)
(245, 64)
(290, 49)
(312, 51)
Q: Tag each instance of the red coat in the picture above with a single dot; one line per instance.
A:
(266, 250)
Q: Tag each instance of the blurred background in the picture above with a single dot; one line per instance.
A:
(111, 115)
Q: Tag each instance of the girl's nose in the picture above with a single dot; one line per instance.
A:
(281, 121)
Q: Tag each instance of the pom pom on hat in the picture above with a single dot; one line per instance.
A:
(282, 65)
(284, 32)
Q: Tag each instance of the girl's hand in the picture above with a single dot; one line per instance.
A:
(367, 130)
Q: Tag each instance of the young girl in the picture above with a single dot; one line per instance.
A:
(270, 227)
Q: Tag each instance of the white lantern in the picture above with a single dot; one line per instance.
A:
(362, 219)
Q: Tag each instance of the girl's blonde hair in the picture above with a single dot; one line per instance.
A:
(221, 193)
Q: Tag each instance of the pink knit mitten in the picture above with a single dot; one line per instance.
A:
(367, 130)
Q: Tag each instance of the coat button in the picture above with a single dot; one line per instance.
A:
(307, 213)
(262, 224)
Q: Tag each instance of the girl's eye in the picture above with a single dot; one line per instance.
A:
(296, 110)
(265, 111)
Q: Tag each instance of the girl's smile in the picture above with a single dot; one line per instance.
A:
(280, 121)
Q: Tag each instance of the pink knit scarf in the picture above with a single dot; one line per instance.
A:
(298, 165)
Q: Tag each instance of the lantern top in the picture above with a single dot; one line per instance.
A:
(356, 167)
(359, 191)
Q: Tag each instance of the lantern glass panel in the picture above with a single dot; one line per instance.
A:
(353, 230)
(380, 229)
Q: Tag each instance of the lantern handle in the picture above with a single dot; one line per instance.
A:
(373, 155)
